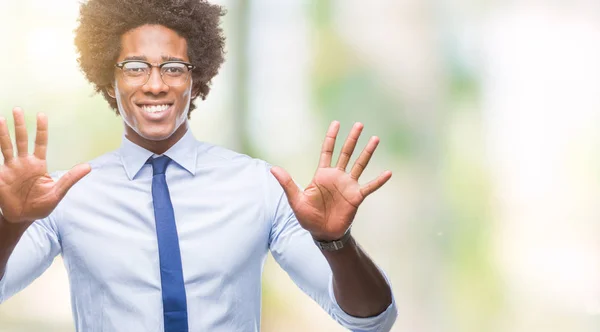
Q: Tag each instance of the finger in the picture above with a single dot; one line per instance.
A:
(372, 186)
(349, 145)
(365, 156)
(70, 178)
(41, 137)
(285, 180)
(20, 132)
(329, 144)
(5, 142)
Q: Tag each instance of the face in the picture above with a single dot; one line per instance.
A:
(155, 111)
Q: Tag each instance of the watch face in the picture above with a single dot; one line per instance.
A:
(330, 246)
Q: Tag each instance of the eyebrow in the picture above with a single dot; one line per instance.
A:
(144, 58)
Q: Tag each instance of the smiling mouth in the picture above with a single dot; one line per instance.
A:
(155, 108)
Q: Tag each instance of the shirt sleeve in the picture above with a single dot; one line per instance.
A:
(294, 250)
(32, 255)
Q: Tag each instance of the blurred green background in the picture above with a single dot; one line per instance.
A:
(488, 118)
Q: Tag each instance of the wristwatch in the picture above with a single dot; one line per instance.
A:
(334, 245)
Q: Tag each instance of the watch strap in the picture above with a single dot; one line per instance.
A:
(334, 245)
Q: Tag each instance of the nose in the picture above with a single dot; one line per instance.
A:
(155, 84)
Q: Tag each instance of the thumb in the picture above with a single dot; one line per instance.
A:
(70, 178)
(285, 180)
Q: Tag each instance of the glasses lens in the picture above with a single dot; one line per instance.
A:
(136, 72)
(174, 74)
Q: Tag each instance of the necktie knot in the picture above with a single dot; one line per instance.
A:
(159, 165)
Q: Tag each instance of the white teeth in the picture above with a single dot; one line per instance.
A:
(155, 109)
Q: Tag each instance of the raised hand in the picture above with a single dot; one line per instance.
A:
(326, 208)
(27, 192)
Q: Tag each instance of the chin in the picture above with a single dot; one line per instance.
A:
(157, 134)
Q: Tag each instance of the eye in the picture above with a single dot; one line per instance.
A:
(135, 68)
(174, 69)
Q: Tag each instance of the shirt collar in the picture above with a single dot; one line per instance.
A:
(183, 153)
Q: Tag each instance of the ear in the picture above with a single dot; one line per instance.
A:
(110, 90)
(195, 91)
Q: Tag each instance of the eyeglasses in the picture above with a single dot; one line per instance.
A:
(172, 73)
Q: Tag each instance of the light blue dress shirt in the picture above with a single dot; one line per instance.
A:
(229, 211)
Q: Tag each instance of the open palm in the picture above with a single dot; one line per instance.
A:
(326, 208)
(27, 192)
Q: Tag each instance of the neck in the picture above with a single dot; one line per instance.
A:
(156, 147)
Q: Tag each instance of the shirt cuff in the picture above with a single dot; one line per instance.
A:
(380, 323)
(3, 285)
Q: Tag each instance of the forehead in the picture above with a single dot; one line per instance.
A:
(154, 43)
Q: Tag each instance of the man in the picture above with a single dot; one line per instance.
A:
(169, 233)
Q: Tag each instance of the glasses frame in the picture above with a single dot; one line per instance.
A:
(189, 66)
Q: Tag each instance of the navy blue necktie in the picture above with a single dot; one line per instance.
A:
(171, 273)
